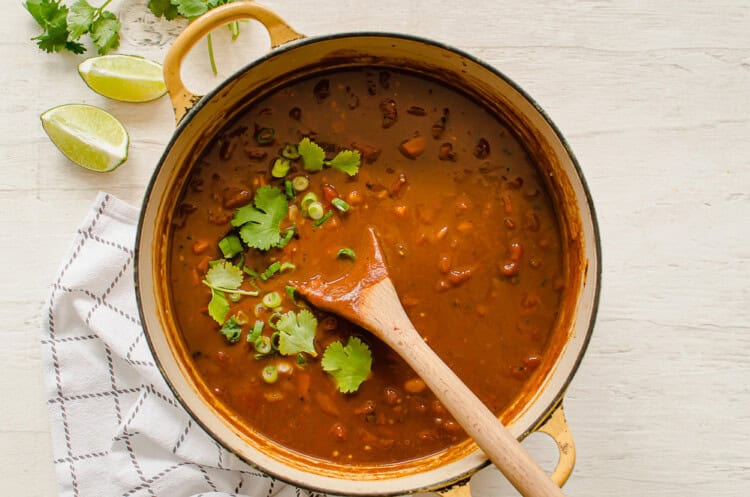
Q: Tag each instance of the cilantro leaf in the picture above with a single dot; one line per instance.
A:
(346, 161)
(163, 8)
(191, 8)
(224, 275)
(259, 225)
(52, 16)
(41, 10)
(349, 364)
(80, 18)
(297, 332)
(218, 308)
(105, 32)
(231, 330)
(312, 155)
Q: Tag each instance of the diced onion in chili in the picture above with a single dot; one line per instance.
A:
(346, 252)
(270, 374)
(272, 300)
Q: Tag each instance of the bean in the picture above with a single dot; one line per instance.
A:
(437, 408)
(367, 408)
(369, 153)
(482, 149)
(509, 268)
(451, 426)
(416, 111)
(441, 233)
(516, 251)
(444, 263)
(456, 277)
(389, 110)
(398, 184)
(235, 197)
(415, 385)
(465, 227)
(322, 90)
(200, 246)
(446, 152)
(442, 286)
(532, 362)
(355, 198)
(202, 265)
(392, 396)
(338, 431)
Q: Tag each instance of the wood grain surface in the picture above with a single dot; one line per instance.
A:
(654, 98)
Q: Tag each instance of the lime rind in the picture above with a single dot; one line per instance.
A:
(87, 135)
(127, 78)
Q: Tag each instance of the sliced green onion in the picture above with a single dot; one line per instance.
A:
(241, 318)
(328, 215)
(315, 210)
(264, 136)
(230, 246)
(280, 167)
(274, 319)
(270, 271)
(290, 151)
(287, 265)
(275, 340)
(263, 345)
(287, 237)
(291, 292)
(340, 204)
(269, 374)
(235, 297)
(272, 300)
(289, 190)
(254, 334)
(346, 252)
(300, 183)
(308, 199)
(250, 272)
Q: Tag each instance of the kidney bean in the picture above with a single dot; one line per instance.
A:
(416, 111)
(515, 251)
(440, 234)
(392, 396)
(456, 277)
(442, 285)
(367, 408)
(439, 127)
(219, 218)
(329, 192)
(389, 109)
(532, 362)
(465, 227)
(235, 197)
(509, 268)
(446, 152)
(437, 408)
(399, 184)
(355, 198)
(451, 426)
(444, 263)
(256, 155)
(322, 90)
(369, 153)
(482, 149)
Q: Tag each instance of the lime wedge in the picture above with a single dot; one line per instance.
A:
(87, 135)
(124, 77)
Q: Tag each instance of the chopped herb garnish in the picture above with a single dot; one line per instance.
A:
(349, 364)
(259, 224)
(346, 252)
(231, 330)
(270, 271)
(308, 199)
(269, 374)
(290, 151)
(300, 183)
(291, 293)
(312, 155)
(218, 307)
(255, 332)
(328, 215)
(264, 136)
(250, 272)
(340, 204)
(280, 167)
(230, 246)
(297, 332)
(224, 276)
(315, 210)
(301, 359)
(287, 266)
(262, 346)
(289, 190)
(346, 161)
(287, 237)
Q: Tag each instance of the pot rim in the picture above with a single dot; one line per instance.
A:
(280, 51)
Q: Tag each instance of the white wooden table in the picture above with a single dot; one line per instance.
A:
(654, 98)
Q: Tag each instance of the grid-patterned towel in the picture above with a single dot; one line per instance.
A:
(116, 427)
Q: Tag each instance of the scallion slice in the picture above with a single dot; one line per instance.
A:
(346, 252)
(270, 374)
(230, 246)
(300, 183)
(254, 334)
(340, 204)
(272, 300)
(263, 345)
(270, 271)
(328, 215)
(280, 167)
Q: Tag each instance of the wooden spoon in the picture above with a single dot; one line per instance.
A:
(366, 296)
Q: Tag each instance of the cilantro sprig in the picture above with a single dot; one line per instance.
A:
(349, 364)
(297, 332)
(314, 158)
(63, 27)
(224, 277)
(259, 223)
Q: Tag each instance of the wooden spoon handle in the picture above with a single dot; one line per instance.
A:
(393, 326)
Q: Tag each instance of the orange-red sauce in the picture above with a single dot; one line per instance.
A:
(465, 223)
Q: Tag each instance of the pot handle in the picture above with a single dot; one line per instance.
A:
(182, 99)
(557, 428)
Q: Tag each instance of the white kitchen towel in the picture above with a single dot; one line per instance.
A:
(117, 429)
